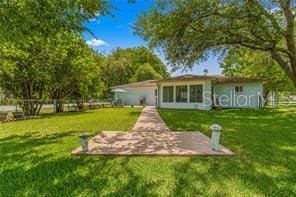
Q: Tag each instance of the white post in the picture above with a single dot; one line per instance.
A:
(84, 141)
(216, 131)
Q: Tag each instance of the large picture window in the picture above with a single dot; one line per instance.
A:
(196, 94)
(181, 94)
(168, 94)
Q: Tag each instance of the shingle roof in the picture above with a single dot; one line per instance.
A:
(226, 79)
(214, 78)
(189, 77)
(147, 83)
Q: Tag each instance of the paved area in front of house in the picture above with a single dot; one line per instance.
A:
(151, 136)
(152, 143)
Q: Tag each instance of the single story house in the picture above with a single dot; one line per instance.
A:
(194, 92)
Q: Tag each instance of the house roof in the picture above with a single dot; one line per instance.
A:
(227, 79)
(189, 77)
(147, 83)
(214, 78)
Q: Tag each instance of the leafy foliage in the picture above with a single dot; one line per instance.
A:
(23, 19)
(247, 63)
(43, 53)
(131, 65)
(145, 72)
(73, 69)
(24, 72)
(189, 31)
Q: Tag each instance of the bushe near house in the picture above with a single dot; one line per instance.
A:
(194, 92)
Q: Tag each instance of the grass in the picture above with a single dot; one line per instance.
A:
(265, 143)
(35, 156)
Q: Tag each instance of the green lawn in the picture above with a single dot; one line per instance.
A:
(35, 156)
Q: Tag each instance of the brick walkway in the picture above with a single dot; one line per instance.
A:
(151, 136)
(150, 121)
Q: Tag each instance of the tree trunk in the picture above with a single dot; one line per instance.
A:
(294, 82)
(265, 96)
(79, 105)
(287, 67)
(26, 104)
(39, 107)
(59, 104)
(30, 106)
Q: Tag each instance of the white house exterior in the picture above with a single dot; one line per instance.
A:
(182, 94)
(137, 91)
(195, 92)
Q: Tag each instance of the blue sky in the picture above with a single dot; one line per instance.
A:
(115, 31)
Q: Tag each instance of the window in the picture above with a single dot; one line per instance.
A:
(196, 94)
(181, 94)
(168, 94)
(238, 88)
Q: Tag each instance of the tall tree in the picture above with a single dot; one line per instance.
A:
(189, 31)
(23, 72)
(72, 69)
(28, 31)
(129, 65)
(247, 63)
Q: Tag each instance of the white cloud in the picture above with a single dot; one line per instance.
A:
(96, 18)
(275, 10)
(96, 43)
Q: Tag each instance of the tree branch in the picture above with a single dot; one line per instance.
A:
(285, 65)
(289, 36)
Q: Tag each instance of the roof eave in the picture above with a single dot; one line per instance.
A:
(180, 80)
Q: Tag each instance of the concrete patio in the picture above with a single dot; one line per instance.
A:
(151, 136)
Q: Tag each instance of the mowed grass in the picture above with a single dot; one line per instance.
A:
(35, 157)
(265, 144)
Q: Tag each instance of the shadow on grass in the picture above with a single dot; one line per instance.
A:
(36, 164)
(264, 141)
(192, 178)
(61, 114)
(42, 165)
(134, 113)
(75, 176)
(20, 148)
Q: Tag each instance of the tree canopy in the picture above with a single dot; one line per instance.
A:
(189, 31)
(247, 63)
(23, 19)
(42, 52)
(58, 67)
(145, 72)
(131, 65)
(44, 56)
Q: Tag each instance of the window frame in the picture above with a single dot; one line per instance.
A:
(197, 99)
(182, 93)
(163, 93)
(239, 89)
